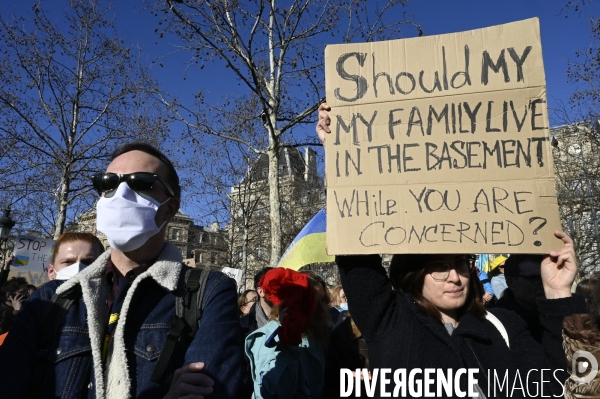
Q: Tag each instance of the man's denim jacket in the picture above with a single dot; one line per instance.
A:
(75, 367)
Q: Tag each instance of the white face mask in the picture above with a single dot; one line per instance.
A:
(127, 218)
(67, 272)
(344, 306)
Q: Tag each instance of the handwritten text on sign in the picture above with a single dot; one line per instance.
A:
(440, 144)
(32, 254)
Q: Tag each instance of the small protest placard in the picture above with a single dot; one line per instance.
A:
(35, 278)
(32, 254)
(235, 274)
(440, 144)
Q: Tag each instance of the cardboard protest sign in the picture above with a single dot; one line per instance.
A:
(35, 278)
(440, 144)
(235, 274)
(32, 254)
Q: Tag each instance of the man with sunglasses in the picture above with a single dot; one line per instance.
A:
(115, 330)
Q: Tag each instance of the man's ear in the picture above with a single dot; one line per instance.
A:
(51, 272)
(260, 292)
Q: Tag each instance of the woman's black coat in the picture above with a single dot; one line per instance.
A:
(401, 337)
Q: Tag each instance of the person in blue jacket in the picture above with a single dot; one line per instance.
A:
(487, 286)
(287, 355)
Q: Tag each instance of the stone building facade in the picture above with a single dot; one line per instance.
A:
(302, 194)
(577, 166)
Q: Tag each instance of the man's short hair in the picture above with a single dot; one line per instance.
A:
(172, 176)
(76, 236)
(258, 276)
(523, 265)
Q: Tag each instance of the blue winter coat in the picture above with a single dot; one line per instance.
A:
(285, 371)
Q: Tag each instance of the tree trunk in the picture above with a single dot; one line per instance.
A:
(63, 203)
(245, 254)
(274, 208)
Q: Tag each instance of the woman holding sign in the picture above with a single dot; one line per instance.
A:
(429, 335)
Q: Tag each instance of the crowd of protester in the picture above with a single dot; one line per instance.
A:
(134, 321)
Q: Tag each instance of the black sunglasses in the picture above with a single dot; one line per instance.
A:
(137, 181)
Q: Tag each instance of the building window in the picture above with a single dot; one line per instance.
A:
(213, 258)
(281, 169)
(175, 234)
(323, 196)
(240, 254)
(265, 172)
(261, 213)
(261, 253)
(304, 199)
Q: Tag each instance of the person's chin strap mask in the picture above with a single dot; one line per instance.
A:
(127, 219)
(69, 271)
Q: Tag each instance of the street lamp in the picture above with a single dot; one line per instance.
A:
(6, 225)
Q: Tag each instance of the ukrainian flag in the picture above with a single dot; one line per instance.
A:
(21, 260)
(308, 246)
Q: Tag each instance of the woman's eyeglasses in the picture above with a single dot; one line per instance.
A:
(137, 181)
(440, 270)
(251, 300)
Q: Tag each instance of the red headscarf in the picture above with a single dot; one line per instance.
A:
(295, 291)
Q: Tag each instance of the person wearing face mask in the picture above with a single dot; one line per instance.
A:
(72, 253)
(111, 337)
(339, 305)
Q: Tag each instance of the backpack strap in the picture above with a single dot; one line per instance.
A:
(188, 311)
(49, 328)
(499, 326)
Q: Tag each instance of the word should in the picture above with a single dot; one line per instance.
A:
(404, 82)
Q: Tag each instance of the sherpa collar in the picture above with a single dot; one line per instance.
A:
(165, 271)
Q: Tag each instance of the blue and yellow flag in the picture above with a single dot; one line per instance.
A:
(308, 246)
(21, 260)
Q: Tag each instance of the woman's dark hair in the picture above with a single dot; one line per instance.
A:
(13, 285)
(172, 176)
(407, 273)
